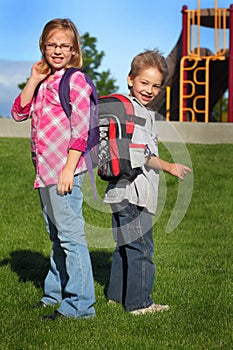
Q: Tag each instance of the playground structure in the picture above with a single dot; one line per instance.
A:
(198, 77)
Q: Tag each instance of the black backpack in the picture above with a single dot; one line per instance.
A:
(116, 124)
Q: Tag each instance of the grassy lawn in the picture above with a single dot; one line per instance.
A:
(194, 262)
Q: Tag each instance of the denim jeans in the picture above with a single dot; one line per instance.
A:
(132, 270)
(69, 281)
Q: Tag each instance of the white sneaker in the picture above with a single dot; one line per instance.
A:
(151, 309)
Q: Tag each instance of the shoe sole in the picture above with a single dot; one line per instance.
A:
(154, 308)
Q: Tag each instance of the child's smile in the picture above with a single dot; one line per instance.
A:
(59, 49)
(146, 85)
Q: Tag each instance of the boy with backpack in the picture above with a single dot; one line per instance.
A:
(134, 201)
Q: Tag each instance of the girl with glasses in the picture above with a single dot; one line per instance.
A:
(57, 145)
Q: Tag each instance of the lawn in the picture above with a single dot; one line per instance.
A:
(193, 256)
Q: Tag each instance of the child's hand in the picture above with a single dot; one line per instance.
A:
(175, 169)
(36, 77)
(65, 181)
(66, 178)
(37, 71)
(179, 170)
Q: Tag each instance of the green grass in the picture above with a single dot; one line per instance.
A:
(194, 262)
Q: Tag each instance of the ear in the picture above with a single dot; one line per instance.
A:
(130, 81)
(73, 52)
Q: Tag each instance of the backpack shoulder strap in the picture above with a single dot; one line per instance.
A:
(94, 94)
(64, 89)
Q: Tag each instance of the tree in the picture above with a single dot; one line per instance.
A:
(105, 84)
(220, 109)
(92, 60)
(21, 85)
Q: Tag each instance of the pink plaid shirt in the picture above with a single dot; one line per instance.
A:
(52, 132)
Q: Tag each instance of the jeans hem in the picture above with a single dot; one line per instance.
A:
(77, 317)
(138, 308)
(45, 301)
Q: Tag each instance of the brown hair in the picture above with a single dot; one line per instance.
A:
(62, 24)
(148, 59)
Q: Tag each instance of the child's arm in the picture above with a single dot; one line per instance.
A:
(80, 102)
(175, 169)
(29, 89)
(66, 178)
(21, 107)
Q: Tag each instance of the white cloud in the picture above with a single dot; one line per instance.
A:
(12, 73)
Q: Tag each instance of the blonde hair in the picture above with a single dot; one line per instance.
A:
(148, 59)
(67, 25)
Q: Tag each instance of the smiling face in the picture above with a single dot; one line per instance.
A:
(58, 57)
(146, 85)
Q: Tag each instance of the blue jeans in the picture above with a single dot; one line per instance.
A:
(69, 281)
(132, 270)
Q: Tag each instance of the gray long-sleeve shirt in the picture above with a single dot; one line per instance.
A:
(143, 191)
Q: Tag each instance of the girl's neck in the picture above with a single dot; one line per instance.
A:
(51, 77)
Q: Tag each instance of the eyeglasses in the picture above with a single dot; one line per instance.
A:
(62, 47)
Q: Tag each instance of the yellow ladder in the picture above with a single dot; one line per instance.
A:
(189, 87)
(195, 64)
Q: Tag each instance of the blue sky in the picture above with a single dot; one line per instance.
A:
(123, 28)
